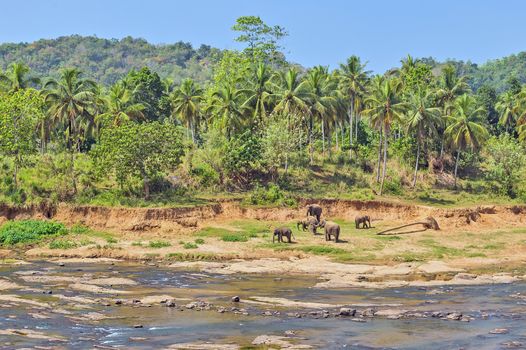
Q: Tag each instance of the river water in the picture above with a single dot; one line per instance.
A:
(101, 321)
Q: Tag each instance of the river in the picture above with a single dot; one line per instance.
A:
(120, 305)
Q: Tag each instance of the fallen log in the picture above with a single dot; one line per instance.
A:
(428, 223)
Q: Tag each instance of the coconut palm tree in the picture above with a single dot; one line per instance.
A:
(450, 86)
(464, 130)
(422, 118)
(322, 99)
(69, 101)
(384, 107)
(508, 107)
(186, 104)
(290, 96)
(119, 106)
(17, 77)
(353, 80)
(258, 93)
(227, 107)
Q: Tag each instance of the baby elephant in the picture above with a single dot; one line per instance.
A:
(281, 232)
(365, 220)
(331, 229)
(310, 222)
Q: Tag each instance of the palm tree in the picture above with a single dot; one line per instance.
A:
(17, 77)
(226, 105)
(186, 104)
(353, 80)
(119, 106)
(422, 118)
(322, 100)
(450, 87)
(69, 100)
(508, 108)
(258, 92)
(385, 108)
(464, 130)
(290, 98)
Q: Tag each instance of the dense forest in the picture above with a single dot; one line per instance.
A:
(107, 61)
(251, 122)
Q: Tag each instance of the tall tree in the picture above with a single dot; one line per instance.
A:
(120, 107)
(226, 107)
(186, 104)
(465, 130)
(322, 100)
(258, 92)
(422, 118)
(353, 80)
(17, 77)
(508, 108)
(384, 107)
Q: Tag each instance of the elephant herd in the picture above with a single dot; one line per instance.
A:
(313, 221)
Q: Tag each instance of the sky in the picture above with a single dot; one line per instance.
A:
(322, 32)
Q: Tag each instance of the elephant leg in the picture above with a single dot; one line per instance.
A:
(290, 240)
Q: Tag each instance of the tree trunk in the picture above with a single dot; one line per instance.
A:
(442, 147)
(385, 164)
(357, 121)
(323, 137)
(379, 158)
(343, 134)
(351, 115)
(416, 163)
(456, 167)
(336, 135)
(311, 146)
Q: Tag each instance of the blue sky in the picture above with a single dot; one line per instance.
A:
(321, 32)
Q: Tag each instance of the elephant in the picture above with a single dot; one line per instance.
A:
(331, 229)
(283, 231)
(310, 222)
(365, 220)
(314, 210)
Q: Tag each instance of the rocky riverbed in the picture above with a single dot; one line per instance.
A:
(111, 304)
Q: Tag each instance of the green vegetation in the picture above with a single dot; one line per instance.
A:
(230, 237)
(62, 244)
(159, 244)
(29, 231)
(190, 245)
(111, 130)
(199, 241)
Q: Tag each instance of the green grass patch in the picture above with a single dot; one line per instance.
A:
(29, 231)
(137, 244)
(62, 244)
(493, 246)
(190, 245)
(192, 256)
(199, 241)
(229, 237)
(159, 244)
(111, 240)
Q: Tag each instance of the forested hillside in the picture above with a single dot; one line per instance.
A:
(108, 60)
(259, 126)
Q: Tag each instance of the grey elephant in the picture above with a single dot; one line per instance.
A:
(310, 222)
(283, 232)
(331, 229)
(314, 210)
(364, 220)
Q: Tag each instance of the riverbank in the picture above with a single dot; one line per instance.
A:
(482, 244)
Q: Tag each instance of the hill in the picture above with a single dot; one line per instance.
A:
(107, 60)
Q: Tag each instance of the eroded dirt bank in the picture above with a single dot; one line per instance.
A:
(187, 219)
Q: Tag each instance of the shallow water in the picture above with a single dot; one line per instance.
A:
(491, 306)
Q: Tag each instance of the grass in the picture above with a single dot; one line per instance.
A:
(137, 244)
(190, 245)
(199, 241)
(159, 244)
(62, 244)
(234, 238)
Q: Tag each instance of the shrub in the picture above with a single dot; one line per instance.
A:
(159, 244)
(272, 195)
(29, 231)
(199, 241)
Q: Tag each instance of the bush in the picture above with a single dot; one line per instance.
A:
(29, 231)
(272, 195)
(159, 244)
